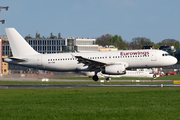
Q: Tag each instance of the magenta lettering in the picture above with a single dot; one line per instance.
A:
(133, 53)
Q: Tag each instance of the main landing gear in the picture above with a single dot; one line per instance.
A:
(107, 79)
(95, 78)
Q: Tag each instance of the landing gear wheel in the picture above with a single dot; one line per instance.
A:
(95, 78)
(154, 76)
(107, 79)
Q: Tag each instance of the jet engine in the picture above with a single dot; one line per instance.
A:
(118, 69)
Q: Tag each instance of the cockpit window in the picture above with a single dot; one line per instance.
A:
(165, 54)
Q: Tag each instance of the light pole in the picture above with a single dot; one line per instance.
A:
(7, 8)
(3, 21)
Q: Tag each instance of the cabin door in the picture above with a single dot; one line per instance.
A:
(153, 56)
(39, 60)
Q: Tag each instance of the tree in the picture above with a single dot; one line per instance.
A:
(139, 42)
(176, 45)
(52, 36)
(28, 37)
(123, 45)
(59, 36)
(104, 40)
(37, 35)
(167, 42)
(115, 40)
(118, 42)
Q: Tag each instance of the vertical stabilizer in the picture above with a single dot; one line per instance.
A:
(18, 44)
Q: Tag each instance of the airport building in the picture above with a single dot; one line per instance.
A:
(48, 46)
(4, 66)
(63, 45)
(107, 48)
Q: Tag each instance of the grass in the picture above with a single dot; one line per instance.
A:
(90, 103)
(170, 77)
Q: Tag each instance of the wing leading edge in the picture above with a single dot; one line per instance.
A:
(92, 64)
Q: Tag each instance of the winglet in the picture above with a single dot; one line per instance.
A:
(73, 55)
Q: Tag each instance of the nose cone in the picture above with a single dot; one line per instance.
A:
(173, 61)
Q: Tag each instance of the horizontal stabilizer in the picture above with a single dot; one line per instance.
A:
(13, 59)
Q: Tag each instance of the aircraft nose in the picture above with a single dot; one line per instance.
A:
(174, 60)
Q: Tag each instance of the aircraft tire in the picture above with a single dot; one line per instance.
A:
(107, 79)
(95, 78)
(154, 76)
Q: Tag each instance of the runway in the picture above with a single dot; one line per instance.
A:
(85, 86)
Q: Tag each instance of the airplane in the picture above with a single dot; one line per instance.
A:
(108, 62)
(129, 73)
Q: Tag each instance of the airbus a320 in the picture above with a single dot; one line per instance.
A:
(108, 63)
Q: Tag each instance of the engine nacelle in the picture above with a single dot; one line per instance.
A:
(114, 70)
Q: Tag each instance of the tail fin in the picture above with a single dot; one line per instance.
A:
(18, 44)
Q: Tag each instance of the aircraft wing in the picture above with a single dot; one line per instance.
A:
(92, 64)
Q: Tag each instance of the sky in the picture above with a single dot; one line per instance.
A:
(153, 19)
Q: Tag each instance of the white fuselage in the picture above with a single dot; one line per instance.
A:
(67, 61)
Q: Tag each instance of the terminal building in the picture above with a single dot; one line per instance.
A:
(63, 45)
(107, 48)
(49, 46)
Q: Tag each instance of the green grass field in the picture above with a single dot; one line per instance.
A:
(90, 103)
